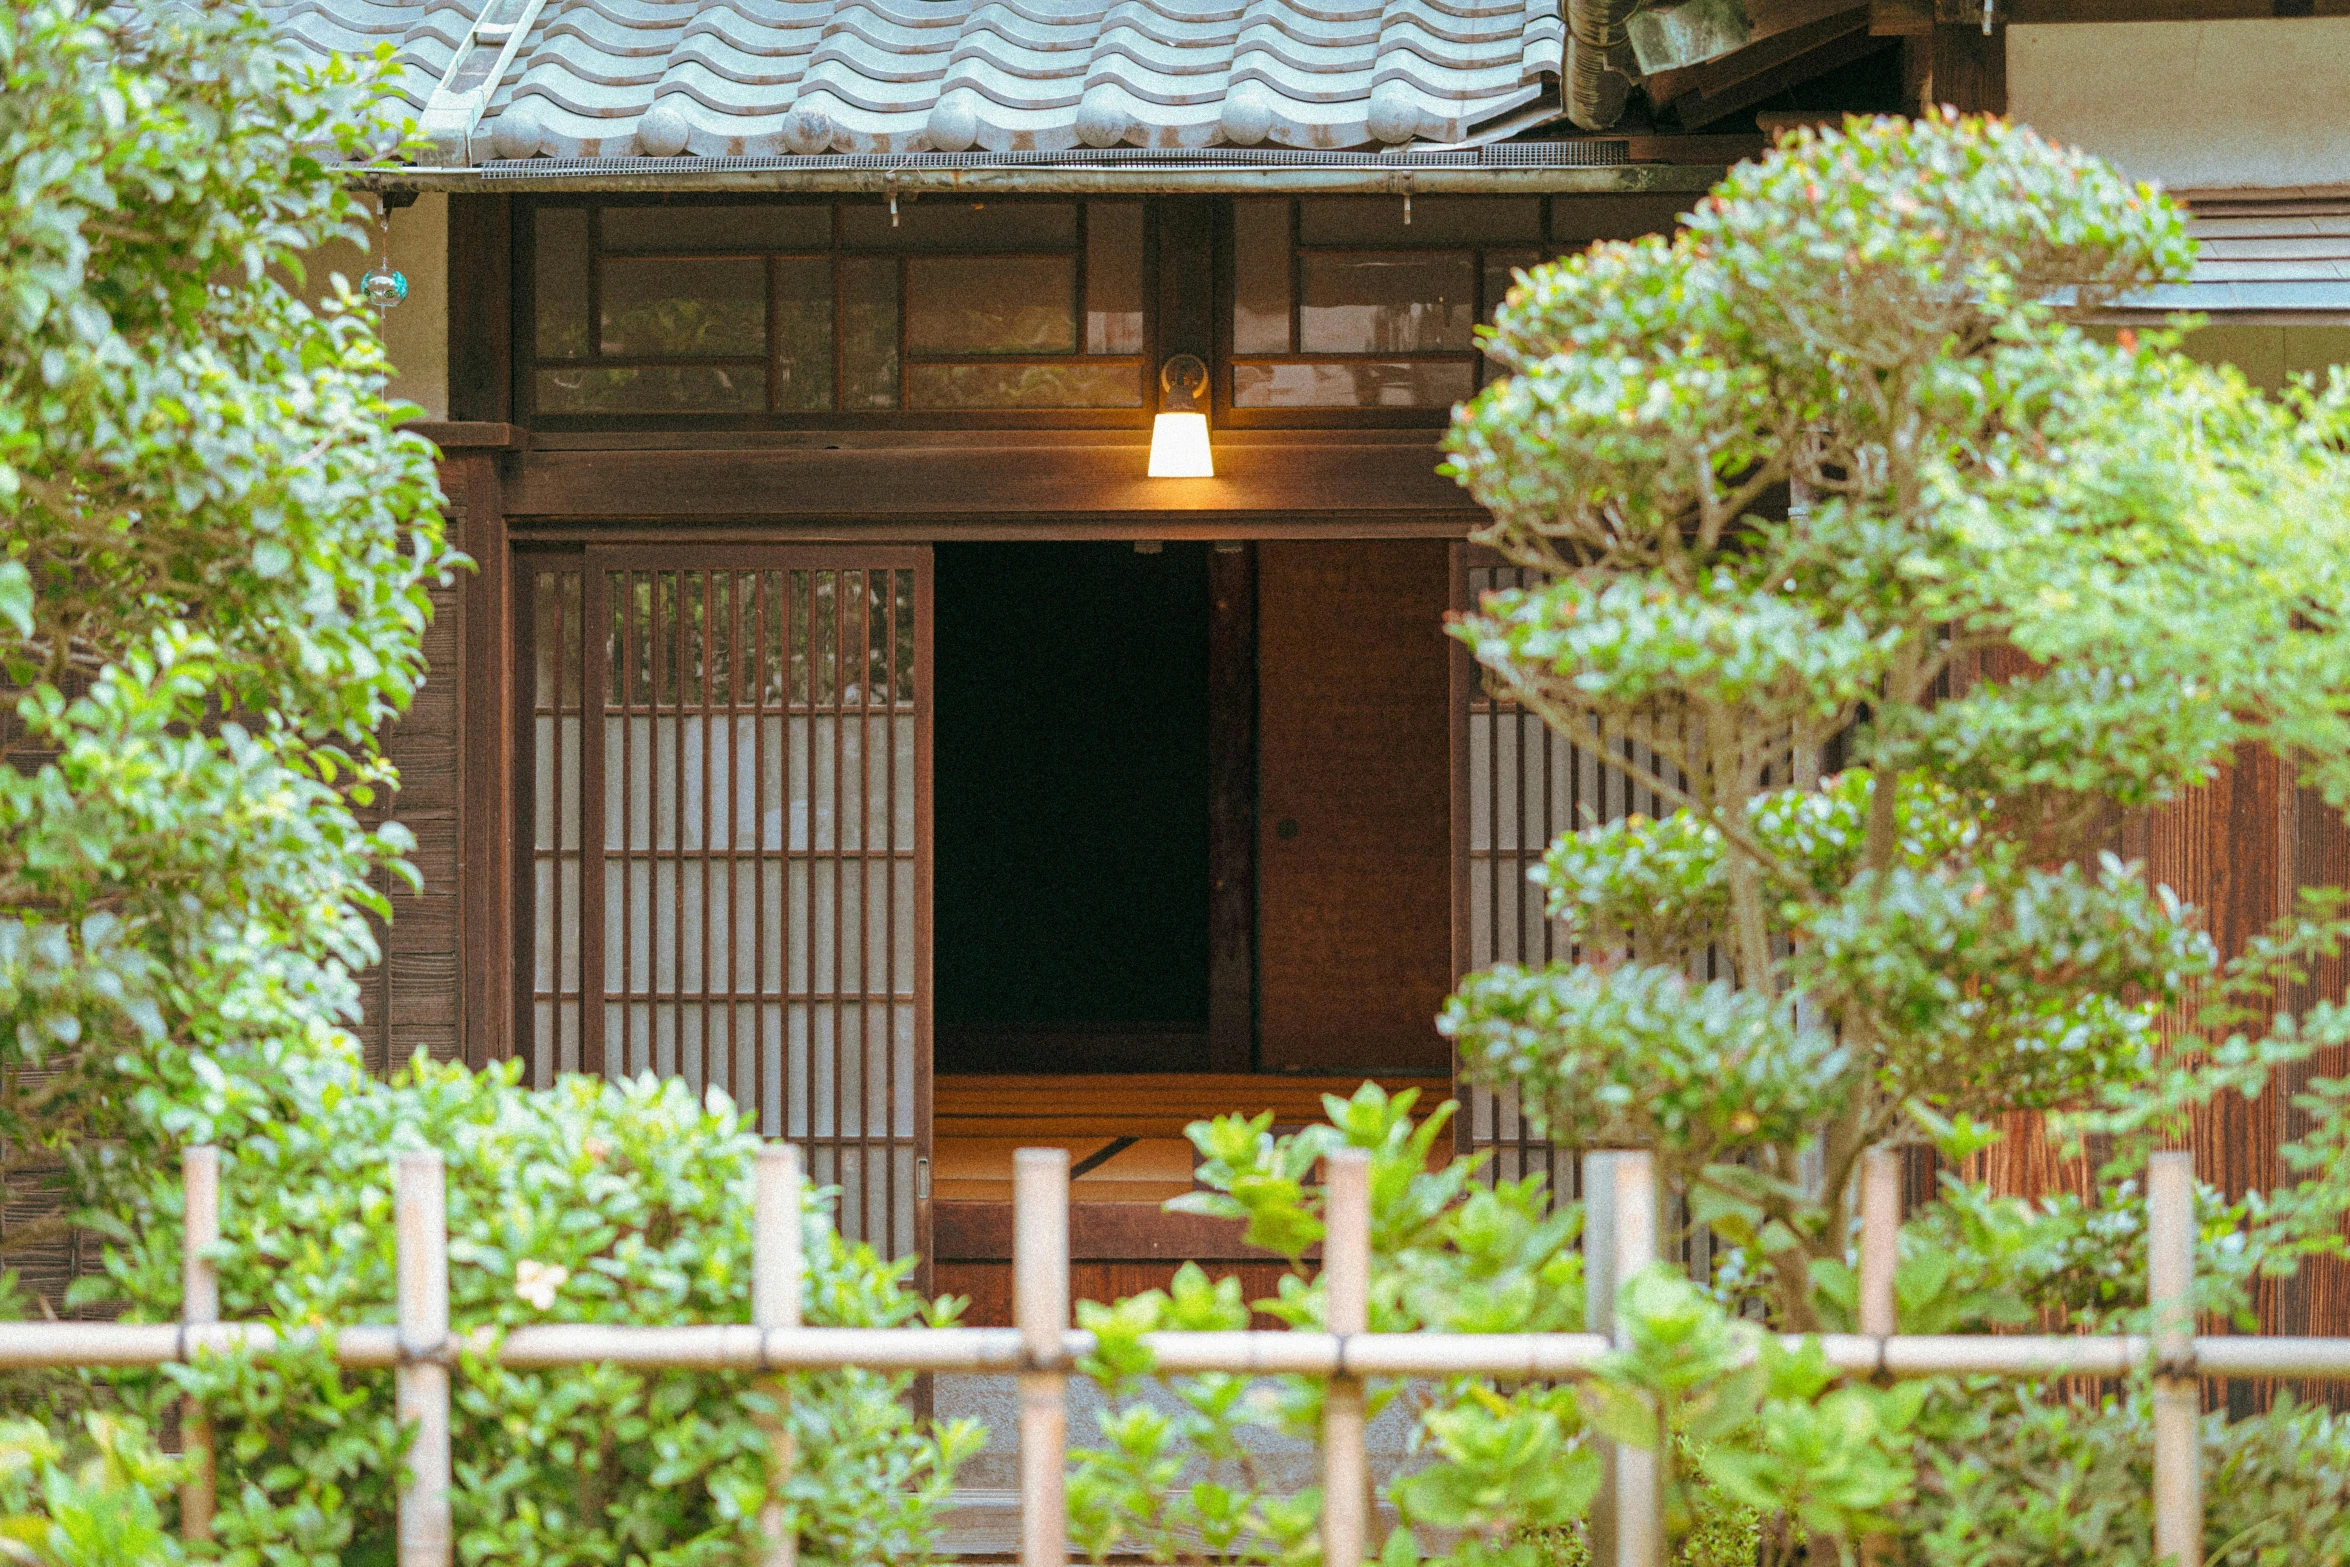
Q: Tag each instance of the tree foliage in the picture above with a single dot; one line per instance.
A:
(1909, 589)
(213, 579)
(1901, 590)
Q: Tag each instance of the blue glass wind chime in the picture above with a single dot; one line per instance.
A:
(382, 285)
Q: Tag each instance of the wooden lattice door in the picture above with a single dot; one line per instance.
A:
(1518, 784)
(727, 776)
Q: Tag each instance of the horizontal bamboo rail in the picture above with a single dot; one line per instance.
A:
(1507, 1356)
(1621, 1195)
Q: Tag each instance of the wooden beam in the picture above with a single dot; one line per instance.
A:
(1307, 484)
(1966, 68)
(1186, 260)
(1232, 808)
(481, 339)
(1768, 54)
(1901, 18)
(470, 435)
(489, 846)
(1703, 108)
(2041, 12)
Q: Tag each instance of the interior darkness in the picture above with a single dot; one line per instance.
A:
(1868, 85)
(1070, 912)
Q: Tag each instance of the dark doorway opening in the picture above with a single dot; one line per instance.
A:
(1071, 808)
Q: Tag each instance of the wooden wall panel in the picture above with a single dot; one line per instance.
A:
(1354, 844)
(1116, 1249)
(1232, 808)
(2316, 1301)
(2237, 849)
(411, 998)
(988, 1285)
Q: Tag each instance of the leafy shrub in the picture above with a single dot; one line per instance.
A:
(2019, 1477)
(91, 1503)
(215, 573)
(590, 1202)
(2022, 581)
(1502, 1474)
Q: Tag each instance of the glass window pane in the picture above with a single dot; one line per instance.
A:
(931, 224)
(1025, 386)
(686, 309)
(991, 304)
(869, 332)
(764, 226)
(560, 282)
(1435, 220)
(1423, 383)
(1260, 277)
(1113, 277)
(803, 328)
(659, 389)
(1387, 303)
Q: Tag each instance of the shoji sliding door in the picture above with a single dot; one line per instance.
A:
(1517, 785)
(728, 784)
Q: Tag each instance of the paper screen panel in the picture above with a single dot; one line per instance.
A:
(753, 759)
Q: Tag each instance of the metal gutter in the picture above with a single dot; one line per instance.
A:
(1507, 168)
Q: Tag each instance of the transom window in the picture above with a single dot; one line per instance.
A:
(1358, 302)
(778, 313)
(804, 311)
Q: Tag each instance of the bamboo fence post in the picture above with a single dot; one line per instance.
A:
(199, 1303)
(1599, 1316)
(1346, 1312)
(421, 1382)
(1619, 1239)
(775, 1306)
(1880, 1240)
(2178, 1399)
(1040, 1309)
(1639, 1472)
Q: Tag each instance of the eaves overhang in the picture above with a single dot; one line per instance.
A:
(1563, 167)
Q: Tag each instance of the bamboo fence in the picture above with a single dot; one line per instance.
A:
(1627, 1524)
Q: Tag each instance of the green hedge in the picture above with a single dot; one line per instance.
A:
(622, 1203)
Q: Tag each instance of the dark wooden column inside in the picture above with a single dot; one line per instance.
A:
(1232, 807)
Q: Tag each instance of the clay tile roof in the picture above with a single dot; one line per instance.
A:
(760, 78)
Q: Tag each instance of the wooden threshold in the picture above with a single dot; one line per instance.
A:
(1054, 1109)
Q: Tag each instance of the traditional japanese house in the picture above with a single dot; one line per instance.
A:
(847, 713)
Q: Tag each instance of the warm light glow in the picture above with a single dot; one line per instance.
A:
(1179, 447)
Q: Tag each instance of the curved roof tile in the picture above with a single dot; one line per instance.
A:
(772, 77)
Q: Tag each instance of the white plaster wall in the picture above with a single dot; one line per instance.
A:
(2193, 104)
(416, 331)
(417, 334)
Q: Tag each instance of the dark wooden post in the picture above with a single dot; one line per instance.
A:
(1232, 807)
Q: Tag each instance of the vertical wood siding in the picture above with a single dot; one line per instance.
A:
(413, 999)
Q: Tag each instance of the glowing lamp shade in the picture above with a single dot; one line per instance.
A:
(1179, 447)
(1179, 435)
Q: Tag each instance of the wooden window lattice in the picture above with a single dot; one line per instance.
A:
(750, 729)
(1518, 785)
